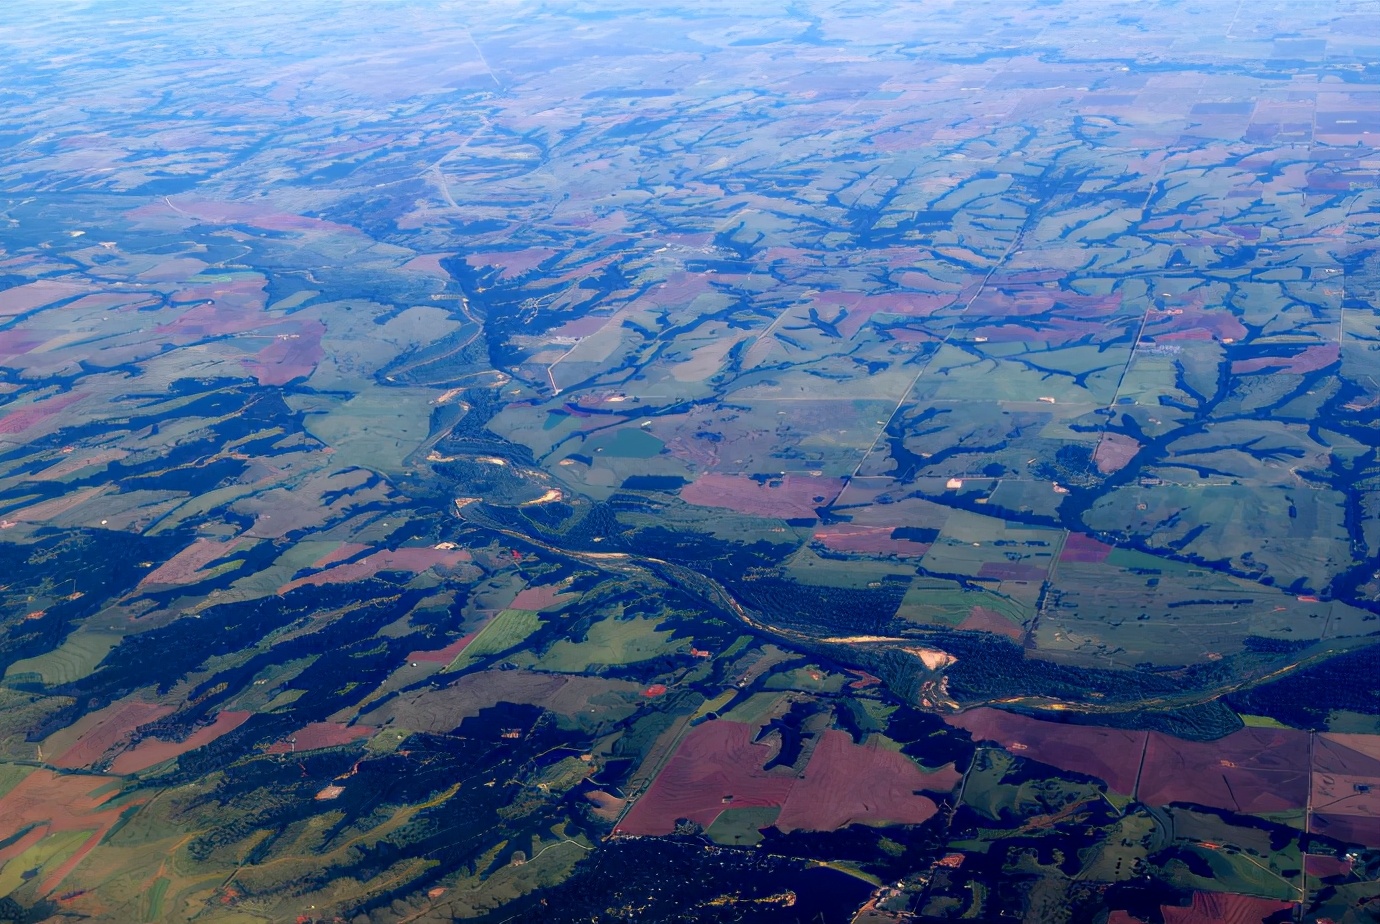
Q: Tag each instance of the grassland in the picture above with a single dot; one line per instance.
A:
(506, 631)
(609, 642)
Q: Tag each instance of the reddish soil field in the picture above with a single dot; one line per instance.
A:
(716, 760)
(443, 655)
(415, 560)
(514, 262)
(868, 540)
(1346, 783)
(240, 213)
(1081, 548)
(173, 269)
(152, 751)
(442, 709)
(1223, 908)
(429, 263)
(237, 301)
(1057, 331)
(678, 289)
(320, 735)
(46, 510)
(607, 805)
(1310, 360)
(289, 356)
(1350, 829)
(19, 342)
(981, 619)
(998, 302)
(910, 335)
(347, 550)
(19, 299)
(1113, 452)
(845, 783)
(842, 784)
(1022, 301)
(1253, 770)
(104, 729)
(537, 599)
(581, 326)
(51, 802)
(1196, 333)
(1357, 755)
(1195, 325)
(864, 680)
(787, 497)
(75, 463)
(1110, 754)
(183, 567)
(849, 311)
(1325, 867)
(1011, 571)
(21, 420)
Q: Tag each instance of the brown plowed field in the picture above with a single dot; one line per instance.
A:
(320, 735)
(1253, 770)
(414, 560)
(1081, 548)
(345, 551)
(1358, 755)
(183, 567)
(537, 599)
(51, 802)
(787, 497)
(845, 783)
(1223, 908)
(1350, 829)
(288, 356)
(514, 263)
(152, 751)
(1110, 754)
(1308, 360)
(716, 767)
(31, 295)
(443, 655)
(441, 710)
(868, 540)
(240, 213)
(1113, 452)
(24, 418)
(1194, 325)
(1324, 867)
(1012, 571)
(981, 619)
(100, 731)
(1346, 787)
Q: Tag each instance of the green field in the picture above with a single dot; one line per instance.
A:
(506, 631)
(808, 679)
(738, 827)
(610, 642)
(934, 601)
(627, 443)
(75, 658)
